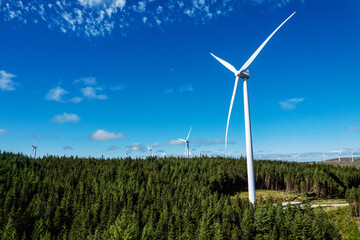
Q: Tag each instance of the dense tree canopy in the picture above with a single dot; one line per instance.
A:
(172, 198)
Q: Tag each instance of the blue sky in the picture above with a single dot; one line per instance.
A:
(102, 77)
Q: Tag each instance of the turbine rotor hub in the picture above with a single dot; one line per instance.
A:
(244, 74)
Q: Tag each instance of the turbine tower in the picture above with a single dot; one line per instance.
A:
(324, 155)
(352, 155)
(34, 149)
(245, 76)
(187, 144)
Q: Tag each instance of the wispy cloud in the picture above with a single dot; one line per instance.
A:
(168, 91)
(2, 131)
(354, 128)
(6, 81)
(98, 18)
(65, 117)
(187, 88)
(86, 80)
(175, 142)
(204, 142)
(137, 147)
(157, 144)
(76, 99)
(113, 148)
(118, 87)
(56, 94)
(102, 135)
(290, 103)
(68, 147)
(91, 93)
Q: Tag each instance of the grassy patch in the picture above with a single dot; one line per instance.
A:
(349, 228)
(277, 196)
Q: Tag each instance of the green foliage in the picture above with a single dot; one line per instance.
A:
(346, 225)
(173, 198)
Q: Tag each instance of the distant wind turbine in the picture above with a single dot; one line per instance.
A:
(352, 155)
(324, 155)
(245, 76)
(187, 144)
(296, 157)
(34, 149)
(339, 153)
(227, 154)
(150, 150)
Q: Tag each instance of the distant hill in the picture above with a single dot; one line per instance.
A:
(345, 161)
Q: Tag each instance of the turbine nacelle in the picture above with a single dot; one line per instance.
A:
(243, 74)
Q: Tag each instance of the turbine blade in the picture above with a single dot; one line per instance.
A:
(226, 64)
(230, 109)
(252, 58)
(188, 134)
(183, 140)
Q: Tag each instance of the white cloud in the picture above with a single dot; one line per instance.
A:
(87, 80)
(56, 94)
(157, 144)
(66, 117)
(76, 99)
(90, 93)
(113, 148)
(2, 131)
(175, 142)
(6, 82)
(291, 103)
(101, 135)
(202, 141)
(168, 91)
(354, 128)
(187, 88)
(118, 87)
(98, 18)
(137, 147)
(68, 147)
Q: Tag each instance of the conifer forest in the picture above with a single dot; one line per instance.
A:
(165, 198)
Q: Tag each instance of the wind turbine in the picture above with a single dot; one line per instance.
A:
(339, 153)
(150, 150)
(296, 157)
(352, 155)
(245, 76)
(324, 155)
(187, 144)
(34, 149)
(227, 154)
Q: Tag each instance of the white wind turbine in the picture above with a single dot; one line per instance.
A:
(324, 155)
(245, 76)
(150, 150)
(227, 154)
(187, 144)
(34, 149)
(296, 157)
(339, 153)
